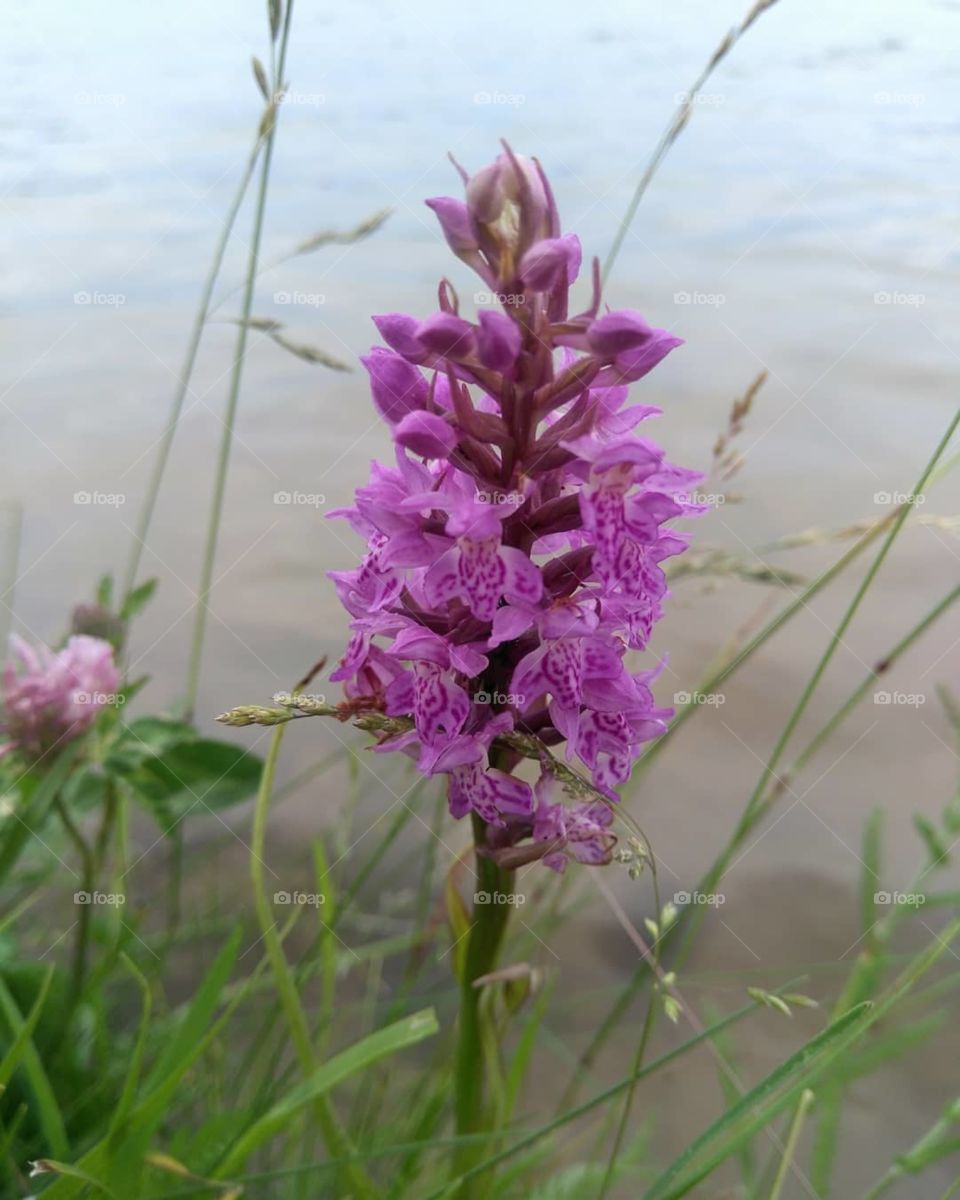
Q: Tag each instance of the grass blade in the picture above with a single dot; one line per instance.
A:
(359, 1056)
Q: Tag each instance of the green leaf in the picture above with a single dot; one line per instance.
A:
(192, 1039)
(780, 1088)
(49, 1166)
(104, 592)
(137, 599)
(381, 1044)
(871, 854)
(11, 1059)
(181, 1048)
(774, 1092)
(86, 789)
(937, 848)
(48, 1111)
(24, 823)
(125, 1103)
(145, 738)
(602, 1098)
(198, 774)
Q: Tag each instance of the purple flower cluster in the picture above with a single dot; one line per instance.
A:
(515, 549)
(51, 697)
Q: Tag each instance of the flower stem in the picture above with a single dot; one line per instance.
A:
(354, 1178)
(92, 859)
(484, 940)
(149, 503)
(88, 877)
(226, 440)
(786, 1162)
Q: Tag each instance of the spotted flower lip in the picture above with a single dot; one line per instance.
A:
(514, 552)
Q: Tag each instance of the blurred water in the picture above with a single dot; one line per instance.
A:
(809, 213)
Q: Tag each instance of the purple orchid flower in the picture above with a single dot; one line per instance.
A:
(514, 552)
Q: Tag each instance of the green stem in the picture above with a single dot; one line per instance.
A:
(355, 1179)
(713, 681)
(717, 678)
(830, 727)
(675, 128)
(756, 806)
(628, 1100)
(484, 940)
(226, 440)
(149, 503)
(806, 1099)
(88, 881)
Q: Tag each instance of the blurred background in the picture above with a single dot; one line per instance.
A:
(806, 223)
